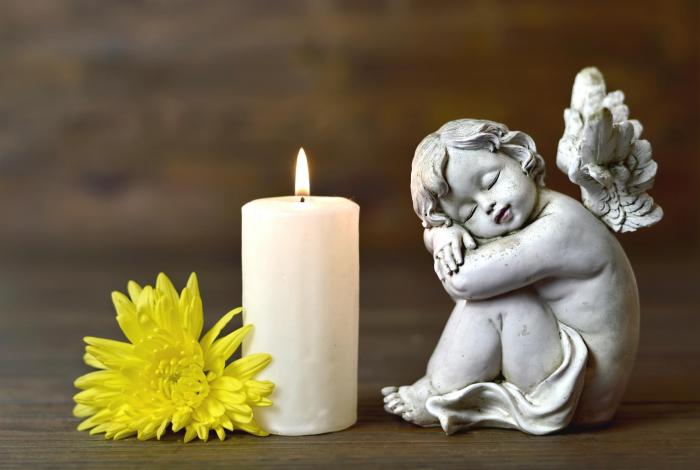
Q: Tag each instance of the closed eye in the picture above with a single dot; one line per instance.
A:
(470, 213)
(491, 179)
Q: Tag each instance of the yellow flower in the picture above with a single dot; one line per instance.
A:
(165, 375)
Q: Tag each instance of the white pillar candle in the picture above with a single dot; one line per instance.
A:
(300, 264)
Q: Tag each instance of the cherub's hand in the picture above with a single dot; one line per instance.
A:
(448, 243)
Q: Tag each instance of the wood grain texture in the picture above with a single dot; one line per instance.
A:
(45, 310)
(642, 436)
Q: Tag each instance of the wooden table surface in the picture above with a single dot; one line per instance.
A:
(48, 305)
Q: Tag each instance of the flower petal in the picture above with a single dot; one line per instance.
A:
(82, 411)
(213, 406)
(123, 434)
(241, 418)
(191, 307)
(243, 409)
(202, 432)
(191, 312)
(113, 354)
(225, 382)
(226, 423)
(100, 428)
(113, 429)
(248, 366)
(193, 284)
(101, 378)
(151, 427)
(165, 287)
(212, 334)
(167, 315)
(143, 435)
(161, 429)
(167, 312)
(228, 398)
(97, 397)
(181, 418)
(92, 361)
(253, 428)
(126, 317)
(117, 347)
(94, 420)
(190, 433)
(145, 307)
(123, 305)
(260, 387)
(262, 402)
(223, 348)
(134, 291)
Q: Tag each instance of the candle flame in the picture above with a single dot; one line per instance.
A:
(302, 186)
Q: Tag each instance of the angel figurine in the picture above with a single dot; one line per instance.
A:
(545, 326)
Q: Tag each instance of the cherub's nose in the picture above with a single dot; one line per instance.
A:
(484, 203)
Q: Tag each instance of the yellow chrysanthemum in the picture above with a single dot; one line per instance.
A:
(165, 375)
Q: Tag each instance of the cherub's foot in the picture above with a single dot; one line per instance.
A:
(408, 402)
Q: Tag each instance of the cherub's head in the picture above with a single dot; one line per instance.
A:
(478, 174)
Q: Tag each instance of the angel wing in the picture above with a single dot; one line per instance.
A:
(602, 152)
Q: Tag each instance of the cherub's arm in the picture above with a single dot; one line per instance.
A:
(545, 248)
(447, 244)
(456, 236)
(428, 239)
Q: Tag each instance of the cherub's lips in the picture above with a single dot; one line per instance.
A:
(503, 215)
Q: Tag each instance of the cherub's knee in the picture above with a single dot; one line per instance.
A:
(524, 303)
(445, 380)
(453, 375)
(469, 350)
(531, 342)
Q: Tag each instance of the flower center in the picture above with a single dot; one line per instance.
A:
(178, 377)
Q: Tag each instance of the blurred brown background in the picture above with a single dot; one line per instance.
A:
(131, 132)
(128, 126)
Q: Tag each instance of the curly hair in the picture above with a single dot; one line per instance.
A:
(428, 183)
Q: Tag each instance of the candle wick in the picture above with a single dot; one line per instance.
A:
(302, 199)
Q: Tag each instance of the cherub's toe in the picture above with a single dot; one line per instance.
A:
(391, 397)
(395, 403)
(391, 409)
(408, 402)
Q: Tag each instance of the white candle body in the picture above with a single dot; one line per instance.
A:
(300, 263)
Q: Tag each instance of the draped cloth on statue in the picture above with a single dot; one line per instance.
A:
(549, 407)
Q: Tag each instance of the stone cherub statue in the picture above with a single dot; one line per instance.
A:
(546, 320)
